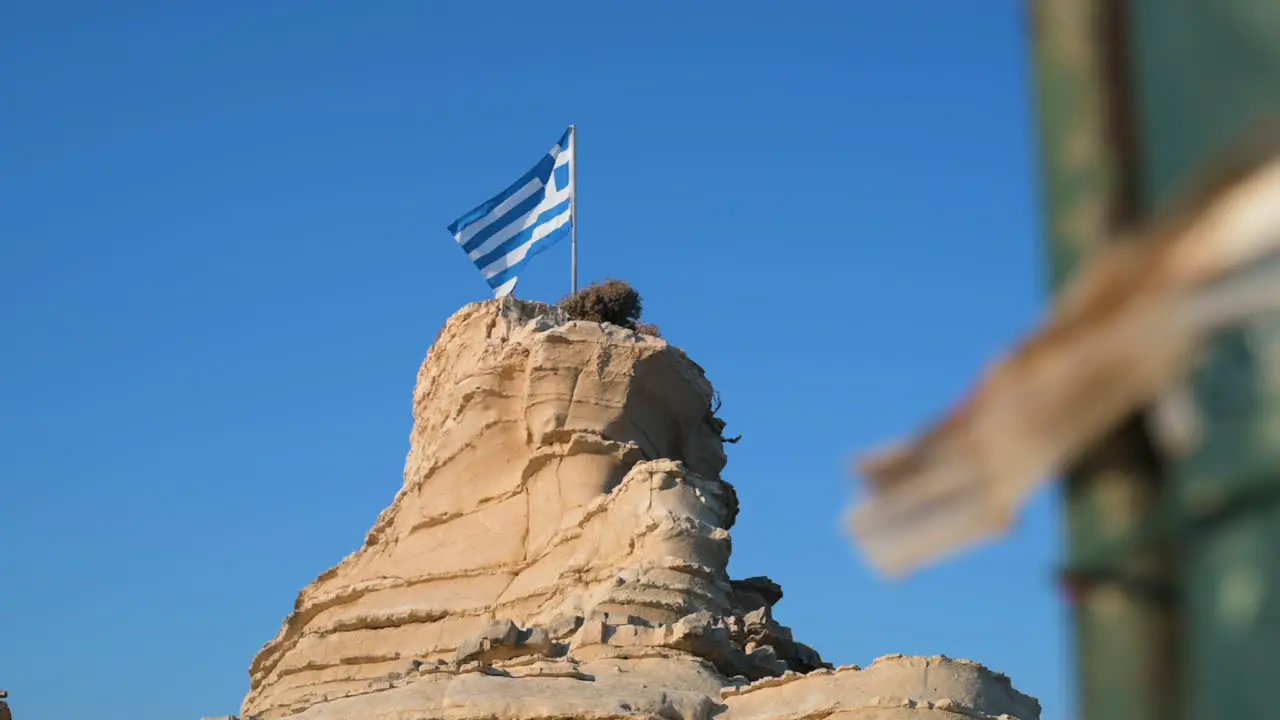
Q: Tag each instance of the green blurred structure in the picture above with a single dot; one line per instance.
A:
(1174, 564)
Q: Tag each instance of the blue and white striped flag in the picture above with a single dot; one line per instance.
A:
(531, 215)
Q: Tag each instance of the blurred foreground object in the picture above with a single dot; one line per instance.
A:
(1129, 327)
(1172, 538)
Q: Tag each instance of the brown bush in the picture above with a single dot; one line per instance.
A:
(612, 301)
(645, 328)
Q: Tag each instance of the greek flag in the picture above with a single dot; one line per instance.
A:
(531, 215)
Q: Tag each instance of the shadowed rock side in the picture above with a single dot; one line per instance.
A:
(559, 549)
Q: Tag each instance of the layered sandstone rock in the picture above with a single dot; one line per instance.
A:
(893, 687)
(679, 687)
(559, 550)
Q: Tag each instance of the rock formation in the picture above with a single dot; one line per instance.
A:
(559, 550)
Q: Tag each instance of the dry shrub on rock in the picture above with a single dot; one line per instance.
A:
(645, 328)
(611, 301)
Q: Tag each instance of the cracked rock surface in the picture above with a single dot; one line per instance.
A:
(559, 550)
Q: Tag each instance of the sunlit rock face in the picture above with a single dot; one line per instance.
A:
(559, 549)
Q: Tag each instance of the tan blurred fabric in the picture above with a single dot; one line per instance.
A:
(1126, 332)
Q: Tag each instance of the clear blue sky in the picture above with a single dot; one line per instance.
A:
(223, 257)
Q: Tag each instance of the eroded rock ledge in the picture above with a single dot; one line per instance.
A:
(559, 550)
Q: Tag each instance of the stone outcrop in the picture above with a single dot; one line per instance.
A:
(893, 686)
(559, 550)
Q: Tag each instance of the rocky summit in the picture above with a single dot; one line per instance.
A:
(559, 551)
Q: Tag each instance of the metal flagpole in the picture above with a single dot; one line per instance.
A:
(573, 205)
